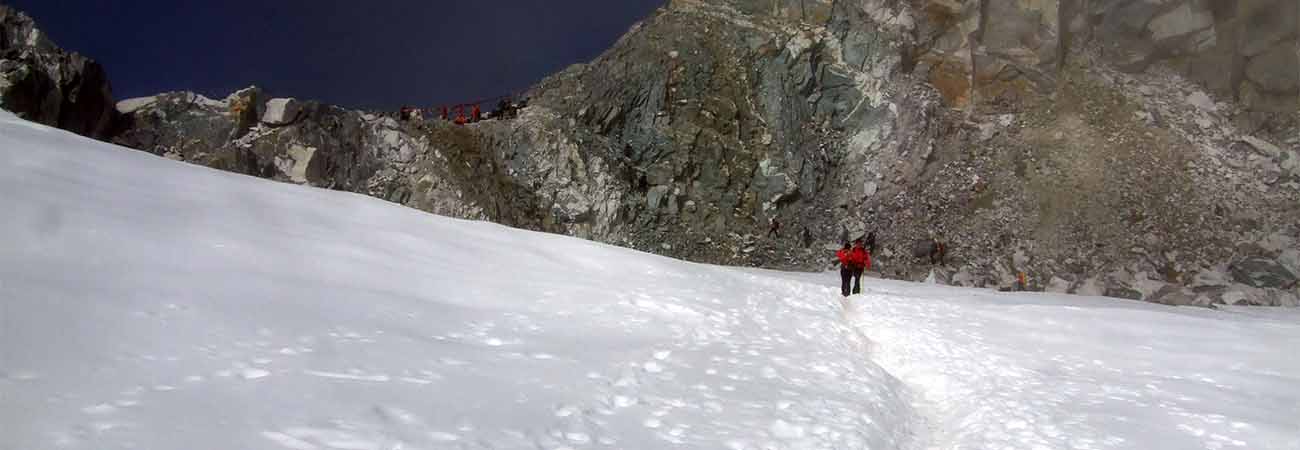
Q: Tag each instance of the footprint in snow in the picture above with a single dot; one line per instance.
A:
(100, 409)
(253, 374)
(439, 436)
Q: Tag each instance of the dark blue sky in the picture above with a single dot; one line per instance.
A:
(360, 54)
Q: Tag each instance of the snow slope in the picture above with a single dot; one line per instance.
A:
(150, 304)
(1029, 371)
(156, 305)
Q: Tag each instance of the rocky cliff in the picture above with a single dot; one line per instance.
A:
(1134, 148)
(42, 83)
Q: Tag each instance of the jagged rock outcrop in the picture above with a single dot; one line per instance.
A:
(42, 83)
(1085, 144)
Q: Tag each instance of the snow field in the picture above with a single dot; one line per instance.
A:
(150, 304)
(153, 304)
(1037, 371)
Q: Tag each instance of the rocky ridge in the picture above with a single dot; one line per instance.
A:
(42, 83)
(1085, 143)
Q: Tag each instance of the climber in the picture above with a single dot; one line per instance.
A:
(460, 115)
(846, 269)
(477, 115)
(938, 253)
(406, 113)
(871, 243)
(773, 227)
(503, 106)
(861, 263)
(1020, 282)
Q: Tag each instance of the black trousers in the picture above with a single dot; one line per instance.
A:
(846, 278)
(857, 281)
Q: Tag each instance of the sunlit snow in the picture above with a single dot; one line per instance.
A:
(150, 304)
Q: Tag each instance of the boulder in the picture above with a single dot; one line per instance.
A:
(1243, 295)
(1264, 147)
(1275, 70)
(1260, 272)
(1210, 278)
(281, 112)
(1202, 101)
(1290, 259)
(1269, 22)
(1091, 287)
(965, 278)
(1122, 284)
(941, 276)
(1183, 20)
(1120, 290)
(1179, 296)
(1058, 285)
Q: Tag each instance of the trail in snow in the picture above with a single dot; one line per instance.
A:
(1033, 371)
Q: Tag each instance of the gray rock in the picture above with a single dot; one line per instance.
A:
(1262, 146)
(1091, 288)
(1201, 101)
(1259, 272)
(1178, 296)
(1275, 70)
(1120, 289)
(281, 111)
(1290, 259)
(1058, 285)
(42, 83)
(941, 276)
(1185, 19)
(1267, 24)
(1210, 278)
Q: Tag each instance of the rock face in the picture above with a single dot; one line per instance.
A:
(1086, 144)
(1263, 273)
(42, 83)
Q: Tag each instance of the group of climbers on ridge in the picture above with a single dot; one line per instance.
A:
(465, 113)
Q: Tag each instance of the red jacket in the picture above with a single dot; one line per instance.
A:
(857, 258)
(860, 258)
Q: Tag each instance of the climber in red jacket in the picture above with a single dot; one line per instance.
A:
(846, 268)
(860, 260)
